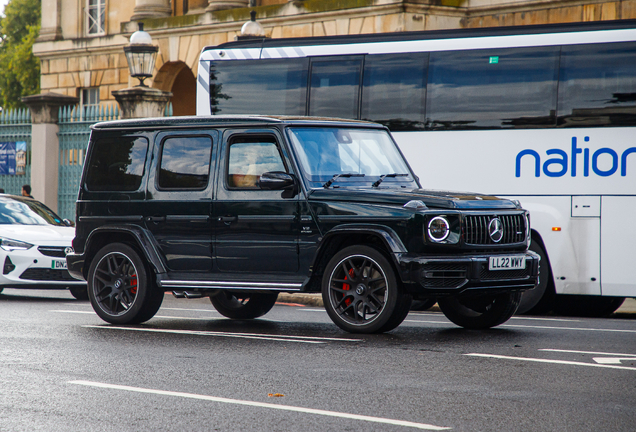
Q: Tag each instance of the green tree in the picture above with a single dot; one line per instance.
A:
(19, 68)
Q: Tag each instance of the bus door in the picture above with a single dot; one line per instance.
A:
(335, 84)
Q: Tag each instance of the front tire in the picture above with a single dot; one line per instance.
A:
(119, 286)
(243, 306)
(360, 292)
(480, 312)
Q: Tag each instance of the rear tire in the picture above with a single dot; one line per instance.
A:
(120, 288)
(243, 306)
(480, 312)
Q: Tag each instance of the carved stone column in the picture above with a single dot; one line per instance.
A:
(45, 145)
(141, 102)
(214, 5)
(51, 28)
(151, 9)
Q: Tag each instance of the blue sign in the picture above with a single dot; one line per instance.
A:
(7, 158)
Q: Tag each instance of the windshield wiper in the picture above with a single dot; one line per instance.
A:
(337, 176)
(383, 176)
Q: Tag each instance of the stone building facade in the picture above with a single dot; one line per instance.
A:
(81, 41)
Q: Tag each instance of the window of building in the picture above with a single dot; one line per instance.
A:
(89, 96)
(185, 163)
(95, 17)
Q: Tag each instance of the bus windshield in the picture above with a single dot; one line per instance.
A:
(357, 157)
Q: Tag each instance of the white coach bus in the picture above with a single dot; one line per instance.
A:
(542, 114)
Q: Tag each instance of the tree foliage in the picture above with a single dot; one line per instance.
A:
(19, 68)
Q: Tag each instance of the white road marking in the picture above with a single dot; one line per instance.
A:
(538, 360)
(544, 319)
(282, 338)
(72, 311)
(262, 405)
(568, 328)
(587, 352)
(612, 360)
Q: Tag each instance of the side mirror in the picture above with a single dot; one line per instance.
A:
(68, 223)
(276, 180)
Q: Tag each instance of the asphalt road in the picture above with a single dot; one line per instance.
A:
(189, 369)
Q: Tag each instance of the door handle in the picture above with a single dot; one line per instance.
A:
(156, 219)
(227, 219)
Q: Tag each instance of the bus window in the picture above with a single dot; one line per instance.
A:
(598, 85)
(274, 87)
(492, 88)
(335, 88)
(394, 90)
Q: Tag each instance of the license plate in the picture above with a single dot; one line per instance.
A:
(507, 263)
(58, 264)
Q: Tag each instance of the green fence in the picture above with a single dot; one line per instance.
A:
(15, 128)
(74, 129)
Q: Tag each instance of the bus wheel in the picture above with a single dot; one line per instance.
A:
(243, 306)
(538, 299)
(361, 293)
(586, 306)
(480, 312)
(120, 288)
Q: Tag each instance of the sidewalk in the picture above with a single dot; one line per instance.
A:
(629, 307)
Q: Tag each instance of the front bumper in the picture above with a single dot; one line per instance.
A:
(32, 269)
(450, 275)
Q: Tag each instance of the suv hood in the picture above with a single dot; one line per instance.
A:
(432, 199)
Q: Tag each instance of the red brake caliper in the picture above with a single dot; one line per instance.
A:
(133, 284)
(346, 287)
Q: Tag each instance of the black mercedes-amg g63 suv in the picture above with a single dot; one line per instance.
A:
(241, 208)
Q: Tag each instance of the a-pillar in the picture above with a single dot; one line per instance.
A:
(214, 5)
(151, 9)
(45, 145)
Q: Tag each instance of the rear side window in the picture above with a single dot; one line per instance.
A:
(117, 164)
(598, 85)
(185, 163)
(492, 88)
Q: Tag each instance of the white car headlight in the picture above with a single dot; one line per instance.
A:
(11, 245)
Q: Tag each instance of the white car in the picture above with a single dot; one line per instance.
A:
(34, 242)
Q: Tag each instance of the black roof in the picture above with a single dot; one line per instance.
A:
(431, 34)
(227, 120)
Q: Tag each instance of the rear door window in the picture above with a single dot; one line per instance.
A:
(117, 164)
(185, 162)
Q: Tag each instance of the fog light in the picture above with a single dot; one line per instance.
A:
(8, 266)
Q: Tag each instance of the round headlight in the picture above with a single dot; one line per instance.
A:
(438, 229)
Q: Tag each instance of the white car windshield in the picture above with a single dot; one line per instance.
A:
(26, 212)
(349, 157)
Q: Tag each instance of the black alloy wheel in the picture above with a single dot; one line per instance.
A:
(243, 306)
(361, 293)
(119, 288)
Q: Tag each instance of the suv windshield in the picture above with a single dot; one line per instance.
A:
(357, 157)
(19, 212)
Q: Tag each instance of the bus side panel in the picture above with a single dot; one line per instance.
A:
(572, 243)
(618, 238)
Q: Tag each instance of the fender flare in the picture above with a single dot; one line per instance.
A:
(387, 235)
(141, 236)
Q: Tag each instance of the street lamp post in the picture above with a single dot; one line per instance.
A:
(141, 101)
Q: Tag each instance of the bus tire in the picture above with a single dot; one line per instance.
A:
(480, 312)
(539, 299)
(586, 305)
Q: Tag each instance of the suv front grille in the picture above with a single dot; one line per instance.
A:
(52, 251)
(44, 274)
(475, 229)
